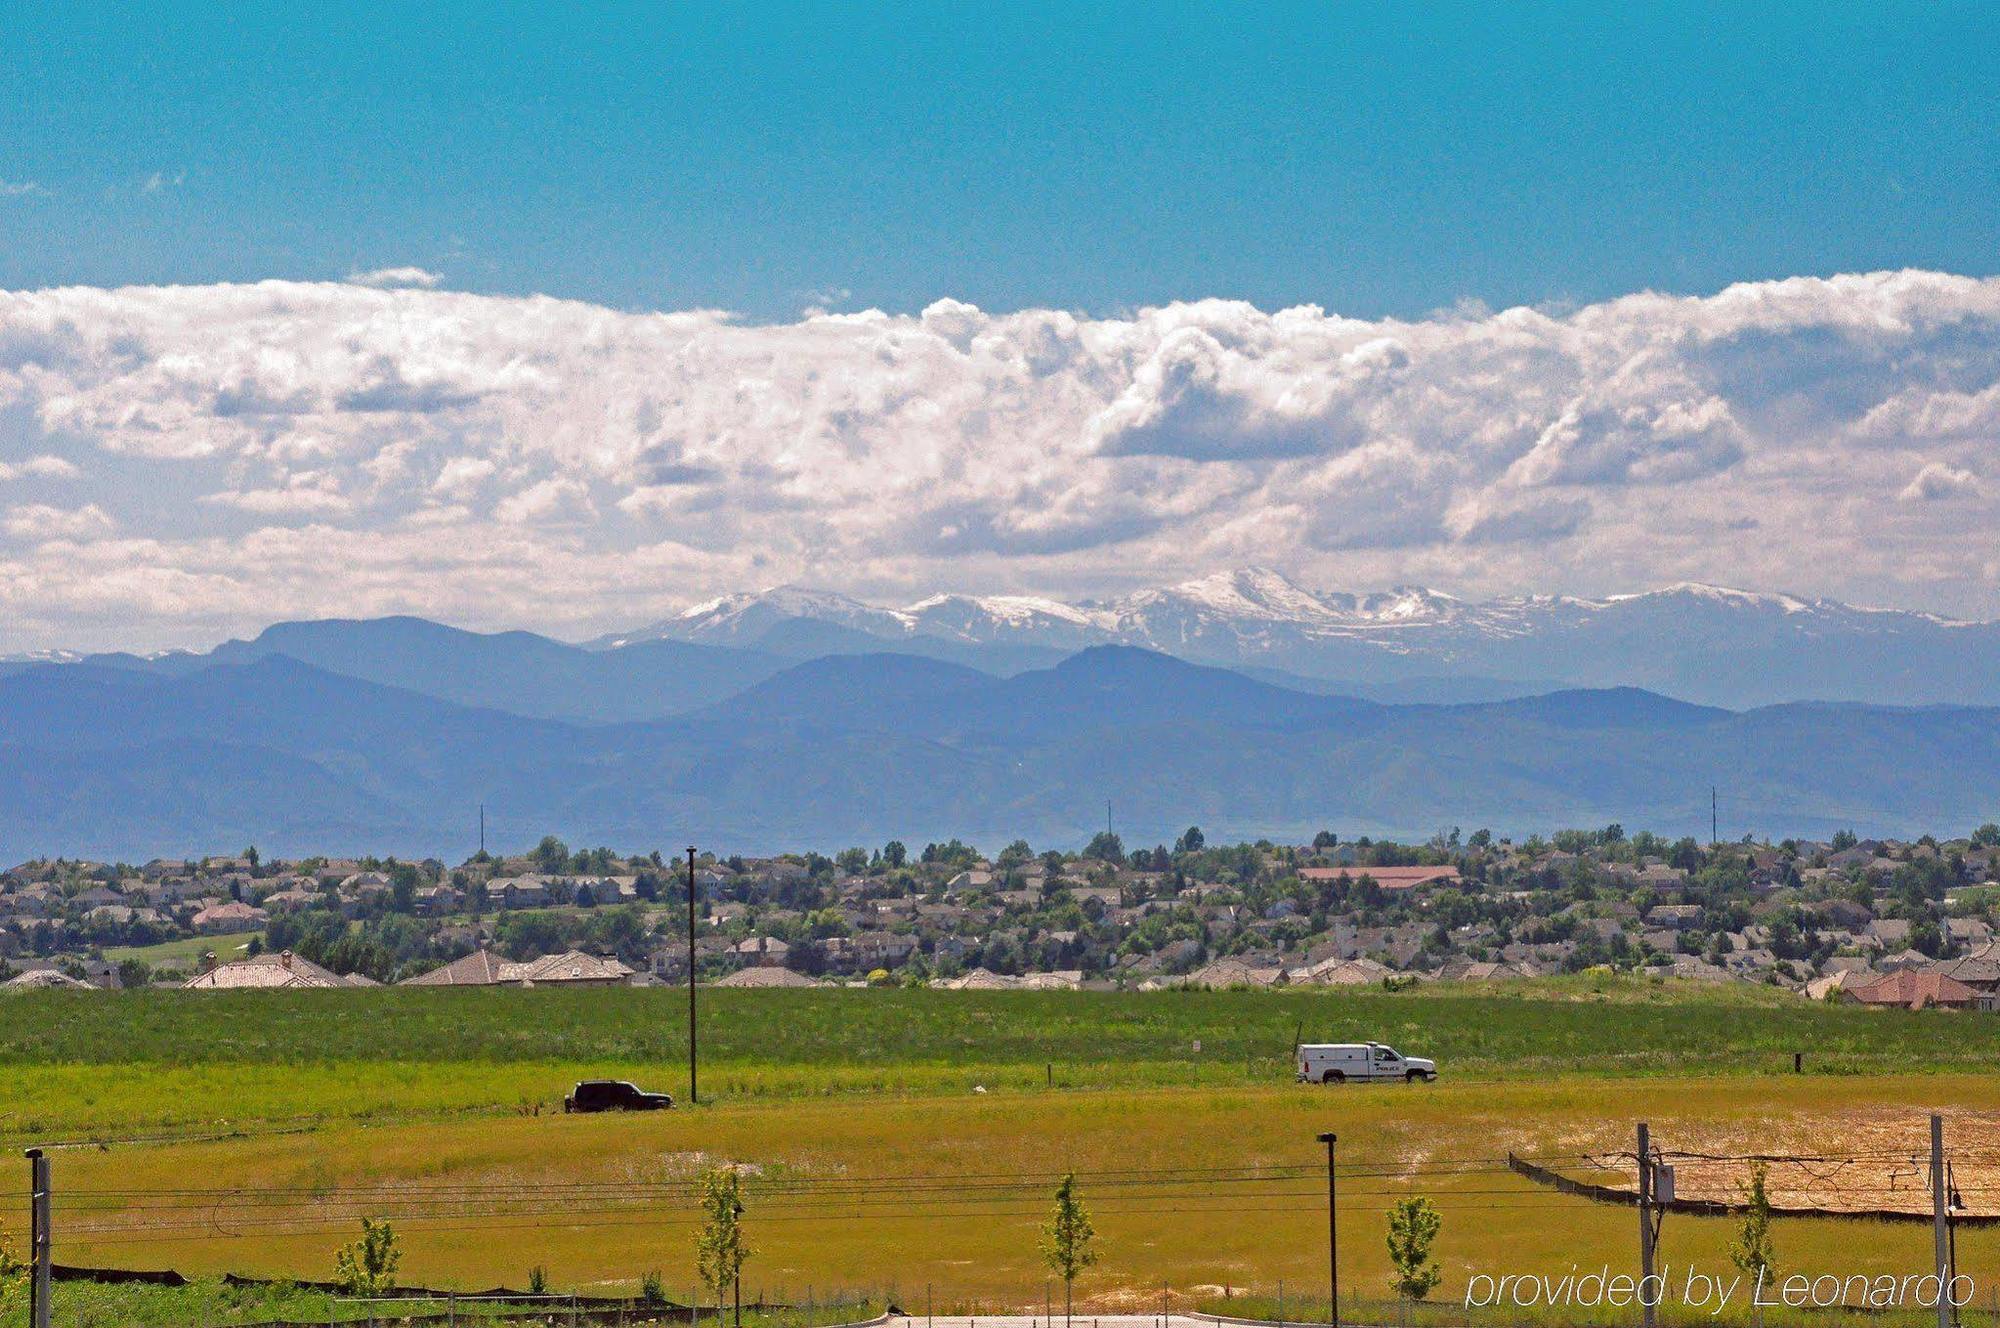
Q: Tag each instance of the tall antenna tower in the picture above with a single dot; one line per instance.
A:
(1714, 833)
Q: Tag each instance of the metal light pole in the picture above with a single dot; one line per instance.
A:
(1332, 1237)
(694, 1088)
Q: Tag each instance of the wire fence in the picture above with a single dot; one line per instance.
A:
(1485, 1187)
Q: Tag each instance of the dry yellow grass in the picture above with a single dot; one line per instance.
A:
(973, 1250)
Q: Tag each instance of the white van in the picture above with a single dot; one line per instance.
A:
(1339, 1062)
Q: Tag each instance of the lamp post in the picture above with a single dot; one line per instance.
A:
(1332, 1237)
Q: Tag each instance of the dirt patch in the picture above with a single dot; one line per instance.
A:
(1865, 1159)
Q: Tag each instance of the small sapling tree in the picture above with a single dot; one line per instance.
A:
(368, 1266)
(1413, 1226)
(1068, 1239)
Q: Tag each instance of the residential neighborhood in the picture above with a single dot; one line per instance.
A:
(1878, 922)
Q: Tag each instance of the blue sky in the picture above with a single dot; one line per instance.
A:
(1371, 159)
(1030, 299)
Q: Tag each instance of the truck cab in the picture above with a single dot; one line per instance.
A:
(1362, 1062)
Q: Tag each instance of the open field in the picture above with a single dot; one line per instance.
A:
(88, 1064)
(184, 953)
(948, 1190)
(877, 1163)
(211, 1303)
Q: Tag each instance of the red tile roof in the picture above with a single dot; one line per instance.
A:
(1389, 878)
(1916, 989)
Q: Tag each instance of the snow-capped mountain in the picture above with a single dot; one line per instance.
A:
(1028, 619)
(1706, 643)
(746, 618)
(42, 657)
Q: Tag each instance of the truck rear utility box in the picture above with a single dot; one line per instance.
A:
(1342, 1062)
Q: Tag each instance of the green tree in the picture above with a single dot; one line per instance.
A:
(1105, 847)
(551, 856)
(719, 1251)
(1751, 1251)
(368, 1266)
(1191, 841)
(1068, 1239)
(895, 854)
(1413, 1226)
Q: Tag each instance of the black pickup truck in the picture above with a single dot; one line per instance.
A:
(614, 1095)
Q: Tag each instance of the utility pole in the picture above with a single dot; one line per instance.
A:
(482, 829)
(39, 1239)
(1714, 819)
(1939, 1236)
(694, 1087)
(1646, 1222)
(1332, 1238)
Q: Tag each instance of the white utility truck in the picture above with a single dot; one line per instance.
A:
(1359, 1062)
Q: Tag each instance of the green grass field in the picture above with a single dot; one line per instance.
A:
(903, 1140)
(182, 954)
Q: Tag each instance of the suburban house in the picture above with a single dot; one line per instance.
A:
(229, 918)
(765, 976)
(1916, 989)
(1389, 878)
(572, 968)
(481, 968)
(518, 892)
(765, 951)
(271, 971)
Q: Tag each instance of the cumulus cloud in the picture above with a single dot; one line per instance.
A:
(1938, 481)
(381, 444)
(462, 476)
(385, 278)
(305, 493)
(38, 467)
(36, 522)
(556, 499)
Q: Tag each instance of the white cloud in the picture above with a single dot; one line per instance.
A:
(462, 476)
(21, 189)
(305, 493)
(548, 501)
(510, 460)
(387, 278)
(38, 467)
(1938, 481)
(158, 182)
(36, 522)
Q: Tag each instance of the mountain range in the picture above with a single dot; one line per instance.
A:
(793, 718)
(129, 759)
(1708, 644)
(1711, 645)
